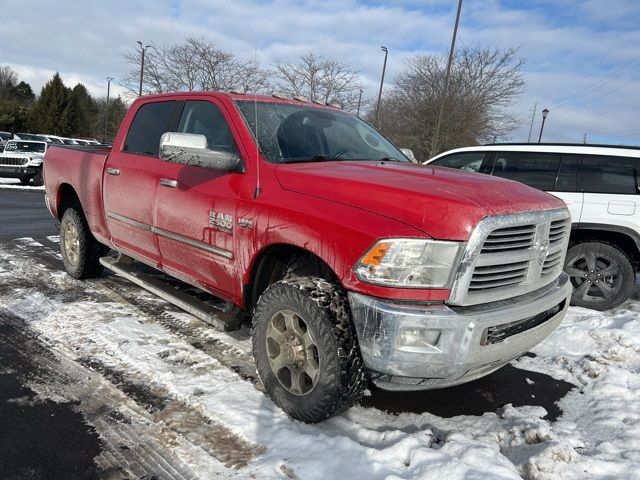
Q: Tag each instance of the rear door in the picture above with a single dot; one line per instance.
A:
(195, 208)
(610, 186)
(555, 173)
(130, 179)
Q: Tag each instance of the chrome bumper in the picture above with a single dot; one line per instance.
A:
(418, 347)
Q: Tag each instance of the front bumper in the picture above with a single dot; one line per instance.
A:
(17, 171)
(464, 343)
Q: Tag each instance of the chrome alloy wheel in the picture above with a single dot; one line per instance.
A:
(71, 243)
(292, 353)
(594, 276)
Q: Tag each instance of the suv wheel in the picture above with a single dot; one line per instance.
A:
(306, 348)
(24, 180)
(602, 275)
(38, 179)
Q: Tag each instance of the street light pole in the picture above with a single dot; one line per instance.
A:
(106, 110)
(359, 101)
(384, 67)
(445, 87)
(545, 112)
(143, 50)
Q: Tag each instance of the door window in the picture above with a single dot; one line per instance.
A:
(568, 174)
(150, 122)
(469, 161)
(538, 170)
(617, 175)
(204, 118)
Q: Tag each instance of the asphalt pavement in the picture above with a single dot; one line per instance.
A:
(23, 214)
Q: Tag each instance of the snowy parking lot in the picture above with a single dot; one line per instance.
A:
(170, 397)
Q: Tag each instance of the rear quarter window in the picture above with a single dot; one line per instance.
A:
(607, 174)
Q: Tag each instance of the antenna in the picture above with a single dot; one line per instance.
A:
(256, 193)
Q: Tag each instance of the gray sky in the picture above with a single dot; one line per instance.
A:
(583, 56)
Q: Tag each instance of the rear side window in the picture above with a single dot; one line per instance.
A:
(567, 180)
(601, 174)
(538, 170)
(469, 161)
(150, 122)
(204, 118)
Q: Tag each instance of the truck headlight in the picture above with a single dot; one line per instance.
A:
(412, 263)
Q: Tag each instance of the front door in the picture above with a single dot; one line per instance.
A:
(195, 207)
(130, 179)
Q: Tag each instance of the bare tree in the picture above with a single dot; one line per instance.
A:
(195, 64)
(319, 78)
(483, 83)
(8, 81)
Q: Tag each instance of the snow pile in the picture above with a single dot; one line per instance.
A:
(222, 423)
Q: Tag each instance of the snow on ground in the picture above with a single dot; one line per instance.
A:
(15, 183)
(197, 402)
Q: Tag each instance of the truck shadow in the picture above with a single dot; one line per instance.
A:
(507, 385)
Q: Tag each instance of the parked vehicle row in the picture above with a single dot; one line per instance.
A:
(353, 262)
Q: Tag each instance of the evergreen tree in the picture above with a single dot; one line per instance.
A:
(82, 110)
(52, 112)
(23, 93)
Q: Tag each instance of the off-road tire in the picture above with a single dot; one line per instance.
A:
(89, 249)
(600, 250)
(325, 309)
(25, 180)
(38, 178)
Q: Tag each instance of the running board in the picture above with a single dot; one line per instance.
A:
(183, 300)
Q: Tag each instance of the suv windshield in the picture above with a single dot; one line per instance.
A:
(297, 133)
(37, 147)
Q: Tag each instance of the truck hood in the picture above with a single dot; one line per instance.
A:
(444, 203)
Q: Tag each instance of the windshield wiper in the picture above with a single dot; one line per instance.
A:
(389, 159)
(316, 158)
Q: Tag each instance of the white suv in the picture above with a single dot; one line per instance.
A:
(601, 186)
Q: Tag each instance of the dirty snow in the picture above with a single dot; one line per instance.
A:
(214, 419)
(15, 183)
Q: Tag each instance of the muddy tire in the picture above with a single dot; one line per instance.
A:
(80, 250)
(38, 179)
(306, 348)
(602, 275)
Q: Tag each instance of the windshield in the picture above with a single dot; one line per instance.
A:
(297, 133)
(37, 147)
(5, 136)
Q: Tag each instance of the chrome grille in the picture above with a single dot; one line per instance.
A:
(512, 255)
(14, 161)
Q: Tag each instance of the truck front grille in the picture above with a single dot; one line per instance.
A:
(512, 255)
(14, 161)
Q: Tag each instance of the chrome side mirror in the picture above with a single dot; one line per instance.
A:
(191, 149)
(409, 154)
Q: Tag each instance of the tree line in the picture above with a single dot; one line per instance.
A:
(483, 85)
(58, 110)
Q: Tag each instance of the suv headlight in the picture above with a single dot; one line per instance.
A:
(412, 263)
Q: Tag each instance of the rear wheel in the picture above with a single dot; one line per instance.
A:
(602, 275)
(80, 250)
(306, 349)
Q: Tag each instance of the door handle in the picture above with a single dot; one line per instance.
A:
(113, 171)
(167, 182)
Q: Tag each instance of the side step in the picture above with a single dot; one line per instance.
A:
(183, 300)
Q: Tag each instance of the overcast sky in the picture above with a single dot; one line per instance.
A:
(582, 56)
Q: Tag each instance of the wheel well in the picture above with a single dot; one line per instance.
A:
(621, 240)
(67, 197)
(278, 261)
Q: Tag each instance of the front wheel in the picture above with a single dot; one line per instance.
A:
(602, 275)
(306, 348)
(80, 250)
(38, 179)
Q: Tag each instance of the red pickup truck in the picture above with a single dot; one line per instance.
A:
(354, 263)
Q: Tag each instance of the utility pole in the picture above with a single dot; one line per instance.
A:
(384, 67)
(142, 50)
(445, 87)
(584, 138)
(533, 116)
(106, 110)
(359, 101)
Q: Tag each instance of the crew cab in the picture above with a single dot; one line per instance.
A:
(23, 160)
(353, 263)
